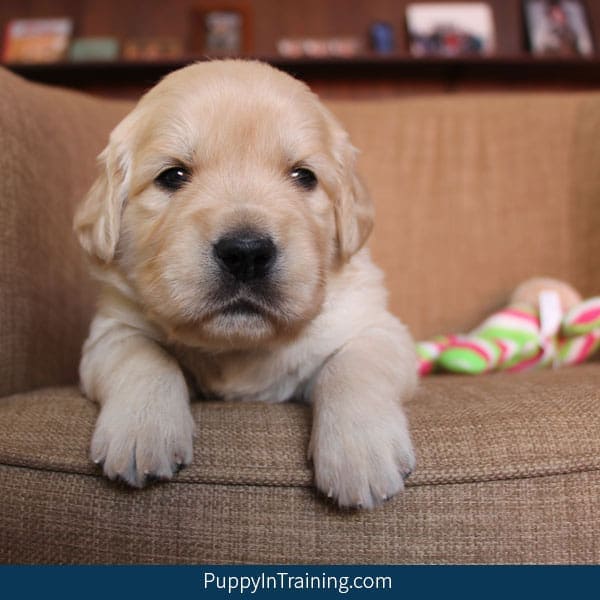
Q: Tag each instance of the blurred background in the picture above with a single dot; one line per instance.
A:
(342, 48)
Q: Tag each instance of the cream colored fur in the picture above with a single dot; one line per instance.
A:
(323, 335)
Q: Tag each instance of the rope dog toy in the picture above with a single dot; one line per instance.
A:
(546, 324)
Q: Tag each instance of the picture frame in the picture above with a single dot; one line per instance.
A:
(558, 28)
(450, 29)
(222, 30)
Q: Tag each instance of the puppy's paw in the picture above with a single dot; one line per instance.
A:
(140, 443)
(361, 459)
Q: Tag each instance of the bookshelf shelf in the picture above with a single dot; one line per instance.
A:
(516, 70)
(268, 22)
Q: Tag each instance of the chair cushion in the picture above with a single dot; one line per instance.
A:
(464, 429)
(513, 459)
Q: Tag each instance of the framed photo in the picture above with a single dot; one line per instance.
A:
(558, 28)
(222, 30)
(450, 29)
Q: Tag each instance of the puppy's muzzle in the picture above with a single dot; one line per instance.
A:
(245, 255)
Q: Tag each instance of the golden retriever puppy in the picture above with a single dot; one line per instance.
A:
(227, 227)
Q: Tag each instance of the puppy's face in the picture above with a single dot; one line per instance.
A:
(227, 201)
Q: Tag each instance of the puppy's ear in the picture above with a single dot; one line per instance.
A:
(352, 204)
(97, 221)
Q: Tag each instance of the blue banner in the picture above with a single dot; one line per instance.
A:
(225, 582)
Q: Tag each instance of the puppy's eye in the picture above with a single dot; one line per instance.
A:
(173, 179)
(305, 178)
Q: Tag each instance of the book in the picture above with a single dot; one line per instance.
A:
(94, 49)
(37, 40)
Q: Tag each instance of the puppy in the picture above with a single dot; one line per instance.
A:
(228, 228)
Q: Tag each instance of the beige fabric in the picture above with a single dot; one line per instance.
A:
(509, 471)
(49, 139)
(464, 428)
(475, 194)
(49, 517)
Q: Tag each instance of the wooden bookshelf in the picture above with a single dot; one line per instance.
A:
(367, 75)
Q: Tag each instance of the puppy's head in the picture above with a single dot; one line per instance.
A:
(227, 199)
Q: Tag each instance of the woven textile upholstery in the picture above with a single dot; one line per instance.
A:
(50, 139)
(473, 194)
(506, 473)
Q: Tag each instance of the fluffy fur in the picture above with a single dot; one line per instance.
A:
(319, 328)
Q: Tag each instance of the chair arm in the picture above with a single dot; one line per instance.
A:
(50, 139)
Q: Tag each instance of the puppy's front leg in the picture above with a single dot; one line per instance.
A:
(360, 444)
(145, 426)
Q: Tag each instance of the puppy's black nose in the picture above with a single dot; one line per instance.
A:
(245, 255)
